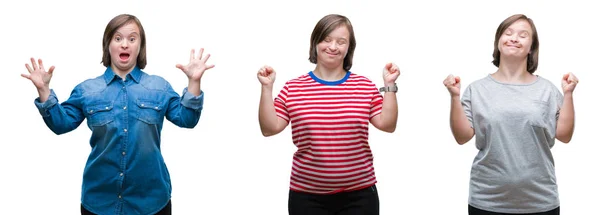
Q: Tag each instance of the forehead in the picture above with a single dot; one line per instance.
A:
(128, 28)
(520, 25)
(340, 31)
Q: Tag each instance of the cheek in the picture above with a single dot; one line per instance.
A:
(527, 43)
(345, 51)
(111, 52)
(321, 46)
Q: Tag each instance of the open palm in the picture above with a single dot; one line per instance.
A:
(38, 75)
(195, 69)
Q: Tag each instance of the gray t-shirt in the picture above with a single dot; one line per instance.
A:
(515, 126)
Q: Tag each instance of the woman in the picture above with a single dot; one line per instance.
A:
(515, 116)
(330, 109)
(125, 108)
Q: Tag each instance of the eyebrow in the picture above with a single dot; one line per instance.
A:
(133, 33)
(339, 38)
(521, 31)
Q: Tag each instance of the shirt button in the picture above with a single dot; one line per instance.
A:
(125, 130)
(91, 111)
(125, 108)
(120, 174)
(142, 105)
(123, 153)
(106, 108)
(119, 196)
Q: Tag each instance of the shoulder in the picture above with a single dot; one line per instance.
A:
(544, 81)
(299, 81)
(359, 79)
(91, 85)
(547, 84)
(153, 82)
(480, 82)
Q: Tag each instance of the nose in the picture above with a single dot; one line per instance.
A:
(124, 44)
(514, 38)
(332, 45)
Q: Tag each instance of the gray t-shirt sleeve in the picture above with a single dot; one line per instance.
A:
(466, 104)
(556, 102)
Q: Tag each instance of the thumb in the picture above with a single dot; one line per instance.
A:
(51, 70)
(565, 76)
(388, 66)
(179, 66)
(457, 79)
(269, 70)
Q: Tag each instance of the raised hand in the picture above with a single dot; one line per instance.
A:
(569, 82)
(453, 84)
(195, 69)
(38, 75)
(390, 73)
(266, 76)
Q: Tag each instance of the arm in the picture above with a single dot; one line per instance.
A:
(185, 111)
(270, 123)
(194, 71)
(566, 118)
(459, 123)
(387, 120)
(60, 118)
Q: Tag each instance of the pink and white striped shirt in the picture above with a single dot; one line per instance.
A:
(330, 123)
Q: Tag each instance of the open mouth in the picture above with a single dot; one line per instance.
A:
(124, 56)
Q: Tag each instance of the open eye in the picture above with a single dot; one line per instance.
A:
(117, 38)
(132, 39)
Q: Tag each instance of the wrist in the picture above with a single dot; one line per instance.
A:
(193, 82)
(268, 87)
(389, 83)
(568, 94)
(44, 90)
(389, 88)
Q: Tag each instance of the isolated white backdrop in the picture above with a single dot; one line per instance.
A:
(225, 165)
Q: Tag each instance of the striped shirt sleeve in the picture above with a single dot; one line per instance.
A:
(376, 102)
(280, 104)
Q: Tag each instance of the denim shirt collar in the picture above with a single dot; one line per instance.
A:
(135, 75)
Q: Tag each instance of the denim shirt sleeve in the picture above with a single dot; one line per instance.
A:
(193, 102)
(184, 111)
(61, 118)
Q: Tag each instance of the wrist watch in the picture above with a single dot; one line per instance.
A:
(393, 88)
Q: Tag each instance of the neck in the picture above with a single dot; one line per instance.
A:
(513, 70)
(329, 74)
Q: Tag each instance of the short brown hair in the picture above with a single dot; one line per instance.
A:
(109, 32)
(532, 57)
(325, 26)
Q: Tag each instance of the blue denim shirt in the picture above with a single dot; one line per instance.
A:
(125, 172)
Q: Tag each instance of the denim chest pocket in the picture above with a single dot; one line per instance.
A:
(99, 114)
(149, 111)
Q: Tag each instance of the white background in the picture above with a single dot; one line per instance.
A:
(225, 165)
